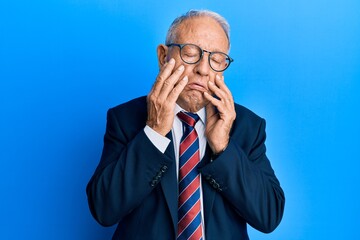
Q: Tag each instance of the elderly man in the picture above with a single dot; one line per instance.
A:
(186, 162)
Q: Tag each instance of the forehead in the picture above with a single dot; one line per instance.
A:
(204, 32)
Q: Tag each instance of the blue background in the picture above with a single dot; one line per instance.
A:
(63, 63)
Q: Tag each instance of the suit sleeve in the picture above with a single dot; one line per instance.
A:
(247, 181)
(125, 174)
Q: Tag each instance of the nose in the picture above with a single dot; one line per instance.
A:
(203, 67)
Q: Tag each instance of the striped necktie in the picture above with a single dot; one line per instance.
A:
(189, 205)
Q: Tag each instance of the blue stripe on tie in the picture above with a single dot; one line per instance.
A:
(189, 152)
(187, 180)
(190, 133)
(184, 161)
(188, 204)
(191, 228)
(186, 131)
(186, 208)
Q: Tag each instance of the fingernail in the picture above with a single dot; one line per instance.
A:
(210, 82)
(185, 79)
(181, 68)
(172, 61)
(218, 77)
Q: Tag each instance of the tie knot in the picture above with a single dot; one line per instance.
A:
(188, 118)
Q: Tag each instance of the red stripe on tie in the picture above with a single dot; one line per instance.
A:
(189, 190)
(188, 217)
(187, 119)
(189, 224)
(197, 234)
(189, 165)
(188, 141)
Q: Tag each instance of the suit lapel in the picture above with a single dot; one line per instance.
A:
(169, 184)
(208, 191)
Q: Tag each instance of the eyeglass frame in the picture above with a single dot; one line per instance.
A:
(202, 54)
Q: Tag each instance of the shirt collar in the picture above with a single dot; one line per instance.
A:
(201, 113)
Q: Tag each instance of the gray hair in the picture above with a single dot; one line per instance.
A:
(171, 34)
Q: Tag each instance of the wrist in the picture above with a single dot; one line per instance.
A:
(160, 130)
(215, 154)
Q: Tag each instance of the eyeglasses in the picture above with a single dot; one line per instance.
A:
(192, 54)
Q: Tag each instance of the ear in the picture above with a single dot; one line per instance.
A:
(162, 53)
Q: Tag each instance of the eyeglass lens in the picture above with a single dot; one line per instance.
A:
(192, 54)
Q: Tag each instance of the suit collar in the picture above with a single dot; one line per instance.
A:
(170, 186)
(207, 190)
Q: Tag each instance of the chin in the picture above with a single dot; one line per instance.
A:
(192, 101)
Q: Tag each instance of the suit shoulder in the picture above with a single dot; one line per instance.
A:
(244, 113)
(136, 105)
(247, 123)
(131, 114)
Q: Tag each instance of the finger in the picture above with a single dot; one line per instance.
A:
(222, 111)
(222, 91)
(223, 105)
(217, 91)
(164, 74)
(220, 82)
(214, 101)
(170, 82)
(174, 94)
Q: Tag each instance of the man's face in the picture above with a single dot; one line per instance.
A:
(208, 35)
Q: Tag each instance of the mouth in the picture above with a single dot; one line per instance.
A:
(197, 86)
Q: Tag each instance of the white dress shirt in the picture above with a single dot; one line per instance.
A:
(162, 143)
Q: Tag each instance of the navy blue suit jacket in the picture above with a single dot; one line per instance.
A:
(135, 185)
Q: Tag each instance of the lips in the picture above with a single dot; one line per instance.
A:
(197, 86)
